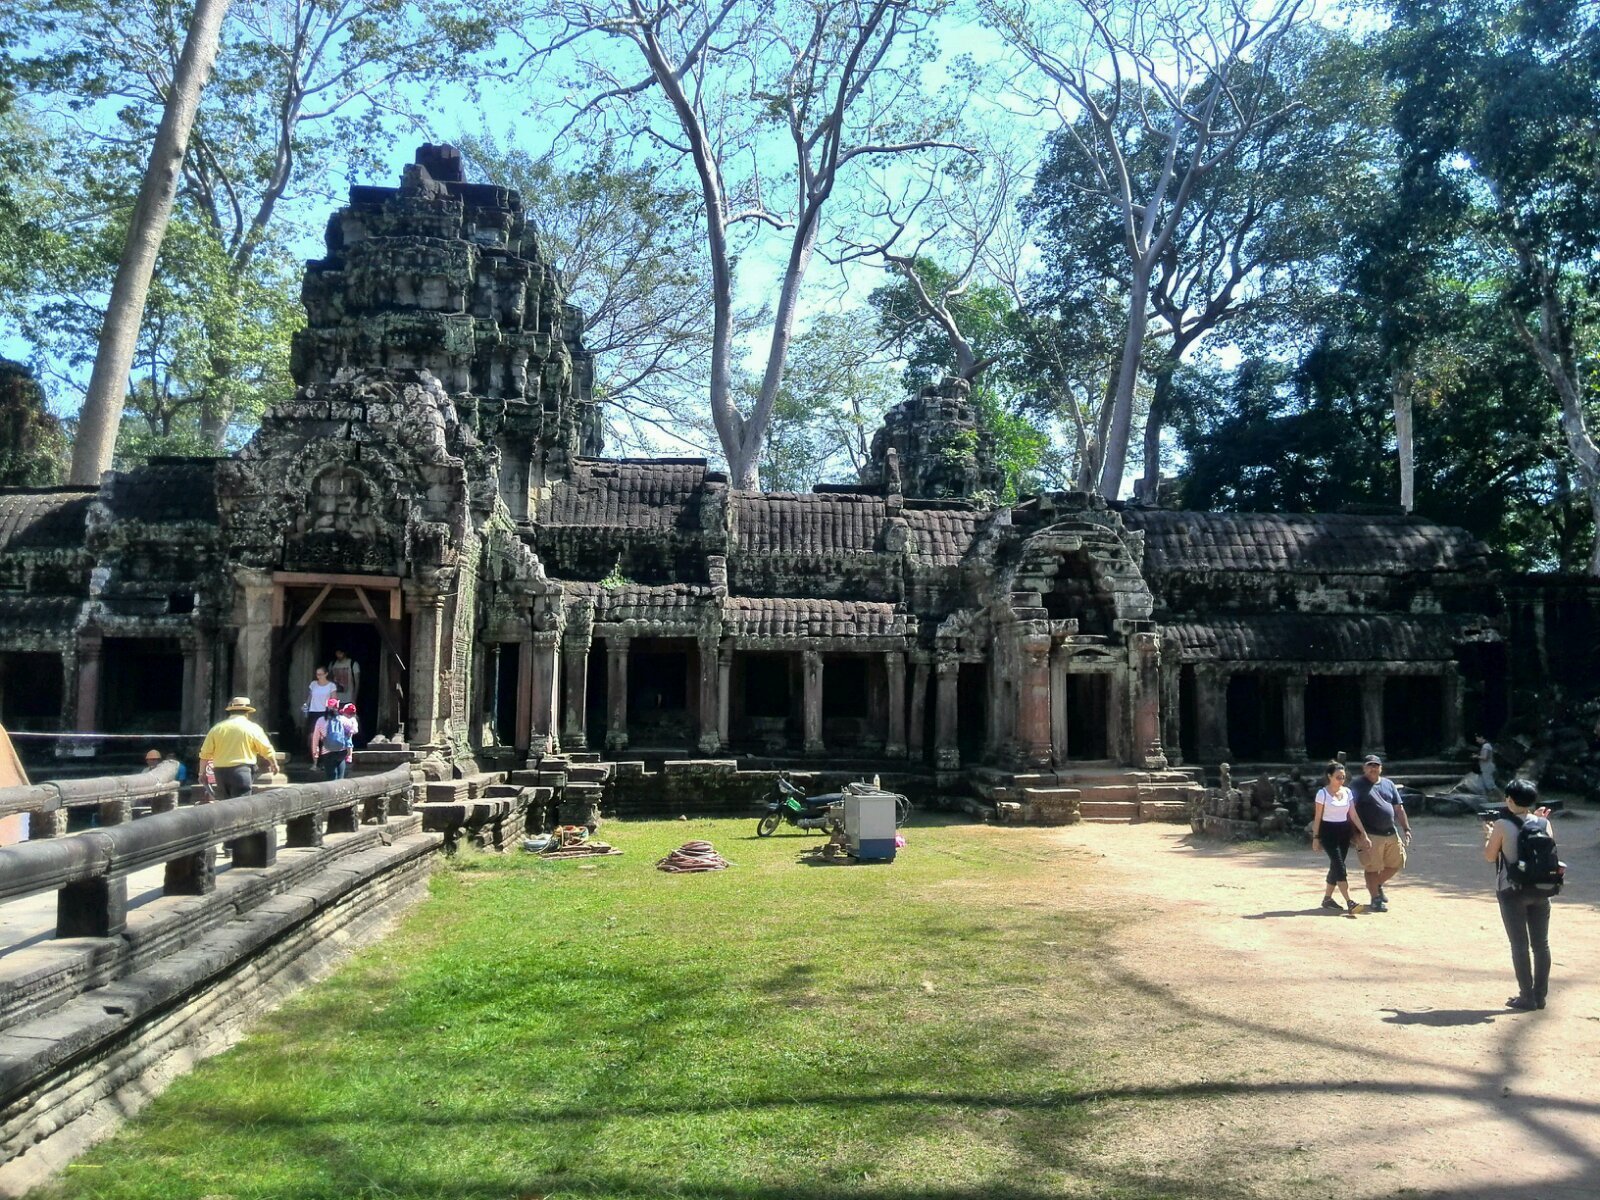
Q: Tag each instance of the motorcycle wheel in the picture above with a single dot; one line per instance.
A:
(768, 825)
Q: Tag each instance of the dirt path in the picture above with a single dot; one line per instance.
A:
(1359, 1057)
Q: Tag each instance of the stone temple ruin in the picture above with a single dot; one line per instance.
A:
(434, 500)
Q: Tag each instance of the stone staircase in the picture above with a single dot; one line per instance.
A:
(1097, 793)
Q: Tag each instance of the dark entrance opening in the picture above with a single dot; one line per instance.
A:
(30, 691)
(1077, 594)
(1088, 715)
(1255, 717)
(597, 707)
(658, 695)
(141, 685)
(360, 641)
(972, 710)
(1188, 716)
(1413, 715)
(763, 710)
(1333, 716)
(506, 663)
(848, 703)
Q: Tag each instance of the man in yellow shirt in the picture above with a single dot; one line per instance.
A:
(233, 746)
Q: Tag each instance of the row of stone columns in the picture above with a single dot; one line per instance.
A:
(1211, 711)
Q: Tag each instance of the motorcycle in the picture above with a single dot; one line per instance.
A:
(792, 805)
(820, 813)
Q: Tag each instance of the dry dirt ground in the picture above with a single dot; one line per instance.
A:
(1275, 1049)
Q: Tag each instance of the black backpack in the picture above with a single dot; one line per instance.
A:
(1537, 869)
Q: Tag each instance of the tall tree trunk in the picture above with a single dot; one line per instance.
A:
(108, 385)
(1400, 388)
(1149, 488)
(1115, 462)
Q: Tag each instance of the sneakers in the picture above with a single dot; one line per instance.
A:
(1523, 1003)
(1383, 895)
(1330, 902)
(1378, 905)
(1352, 908)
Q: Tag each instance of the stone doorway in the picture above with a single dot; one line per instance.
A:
(1088, 715)
(765, 705)
(972, 710)
(314, 616)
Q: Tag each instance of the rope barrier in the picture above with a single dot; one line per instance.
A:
(691, 857)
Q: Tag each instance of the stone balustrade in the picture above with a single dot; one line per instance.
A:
(113, 798)
(88, 871)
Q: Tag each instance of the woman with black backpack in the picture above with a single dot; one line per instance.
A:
(1527, 873)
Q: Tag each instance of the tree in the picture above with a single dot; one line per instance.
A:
(33, 447)
(1175, 81)
(731, 90)
(629, 243)
(305, 94)
(96, 441)
(1496, 117)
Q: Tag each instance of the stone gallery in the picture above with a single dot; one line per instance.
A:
(434, 502)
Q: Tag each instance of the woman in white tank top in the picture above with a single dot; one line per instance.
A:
(1333, 827)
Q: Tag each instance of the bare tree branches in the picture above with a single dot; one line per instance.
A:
(736, 87)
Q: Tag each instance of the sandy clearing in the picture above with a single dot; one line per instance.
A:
(1361, 1057)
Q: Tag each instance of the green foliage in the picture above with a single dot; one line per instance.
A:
(614, 578)
(33, 448)
(651, 1035)
(835, 391)
(302, 96)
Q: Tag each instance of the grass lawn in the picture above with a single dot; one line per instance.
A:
(776, 1030)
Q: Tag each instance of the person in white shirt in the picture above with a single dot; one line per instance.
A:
(1333, 827)
(318, 692)
(1486, 765)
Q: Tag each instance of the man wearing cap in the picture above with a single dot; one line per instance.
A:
(233, 746)
(1383, 815)
(154, 758)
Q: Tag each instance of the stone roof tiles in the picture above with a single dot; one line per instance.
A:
(43, 518)
(668, 603)
(1324, 637)
(1337, 543)
(807, 522)
(625, 493)
(942, 536)
(752, 617)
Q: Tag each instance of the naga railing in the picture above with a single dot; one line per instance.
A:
(112, 796)
(89, 871)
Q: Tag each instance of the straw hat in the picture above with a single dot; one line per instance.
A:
(240, 704)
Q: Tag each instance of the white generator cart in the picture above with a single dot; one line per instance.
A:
(869, 821)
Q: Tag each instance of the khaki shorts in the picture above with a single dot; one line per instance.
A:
(1387, 853)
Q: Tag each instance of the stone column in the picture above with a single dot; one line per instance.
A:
(1211, 712)
(811, 708)
(575, 700)
(1372, 713)
(710, 697)
(89, 658)
(1033, 700)
(253, 664)
(1294, 717)
(946, 736)
(1058, 703)
(427, 627)
(616, 693)
(543, 669)
(1146, 748)
(725, 693)
(894, 664)
(1451, 724)
(918, 721)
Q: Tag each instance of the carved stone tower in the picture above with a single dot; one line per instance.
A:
(934, 448)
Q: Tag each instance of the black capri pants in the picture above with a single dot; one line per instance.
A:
(1336, 838)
